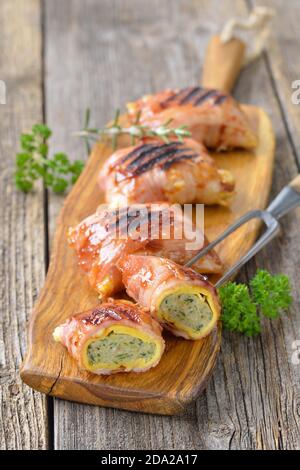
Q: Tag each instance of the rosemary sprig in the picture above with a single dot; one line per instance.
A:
(135, 131)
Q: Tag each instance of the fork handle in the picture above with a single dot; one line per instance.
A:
(286, 200)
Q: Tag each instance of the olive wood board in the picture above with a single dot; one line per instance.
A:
(186, 365)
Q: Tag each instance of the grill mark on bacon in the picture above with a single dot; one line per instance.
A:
(195, 96)
(168, 154)
(139, 155)
(220, 99)
(164, 155)
(150, 154)
(192, 91)
(127, 221)
(175, 96)
(178, 159)
(115, 312)
(139, 151)
(149, 219)
(131, 222)
(205, 96)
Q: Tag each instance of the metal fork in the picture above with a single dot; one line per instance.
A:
(284, 202)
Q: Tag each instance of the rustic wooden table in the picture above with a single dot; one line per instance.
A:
(56, 59)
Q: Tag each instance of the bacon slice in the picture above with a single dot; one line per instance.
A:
(177, 172)
(116, 336)
(213, 117)
(103, 238)
(182, 300)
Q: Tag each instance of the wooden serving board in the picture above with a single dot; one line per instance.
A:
(186, 365)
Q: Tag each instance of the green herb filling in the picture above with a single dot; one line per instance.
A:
(119, 349)
(188, 310)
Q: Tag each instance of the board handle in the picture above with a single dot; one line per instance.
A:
(222, 63)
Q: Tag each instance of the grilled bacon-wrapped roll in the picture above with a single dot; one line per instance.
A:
(177, 172)
(103, 238)
(213, 117)
(116, 336)
(182, 300)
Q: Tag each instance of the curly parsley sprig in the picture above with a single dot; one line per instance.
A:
(34, 163)
(135, 131)
(242, 308)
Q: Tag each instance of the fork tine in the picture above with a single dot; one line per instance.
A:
(270, 233)
(241, 221)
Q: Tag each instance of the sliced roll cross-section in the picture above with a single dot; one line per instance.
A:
(116, 336)
(182, 300)
(153, 171)
(213, 117)
(103, 238)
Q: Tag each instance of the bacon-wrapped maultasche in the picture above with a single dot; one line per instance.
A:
(176, 172)
(213, 117)
(183, 301)
(99, 246)
(115, 336)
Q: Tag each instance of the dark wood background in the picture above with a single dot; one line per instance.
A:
(58, 58)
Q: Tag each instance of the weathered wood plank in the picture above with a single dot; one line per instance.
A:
(23, 423)
(115, 51)
(283, 62)
(256, 389)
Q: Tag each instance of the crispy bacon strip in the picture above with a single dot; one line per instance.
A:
(213, 117)
(177, 172)
(103, 238)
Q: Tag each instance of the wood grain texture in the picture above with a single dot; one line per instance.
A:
(23, 422)
(110, 56)
(282, 58)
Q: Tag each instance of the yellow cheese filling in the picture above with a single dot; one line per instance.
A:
(120, 347)
(189, 309)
